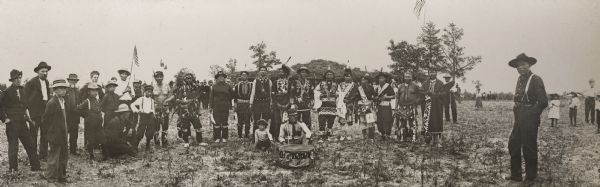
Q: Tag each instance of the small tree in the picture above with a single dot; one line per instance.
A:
(407, 57)
(262, 57)
(456, 64)
(433, 56)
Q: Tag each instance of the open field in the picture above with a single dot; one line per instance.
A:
(474, 153)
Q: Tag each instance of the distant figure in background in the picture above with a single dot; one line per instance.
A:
(590, 103)
(478, 99)
(598, 113)
(554, 110)
(36, 94)
(530, 101)
(204, 94)
(573, 105)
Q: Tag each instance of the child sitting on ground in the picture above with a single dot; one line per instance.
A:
(262, 137)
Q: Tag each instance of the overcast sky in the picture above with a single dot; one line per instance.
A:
(77, 36)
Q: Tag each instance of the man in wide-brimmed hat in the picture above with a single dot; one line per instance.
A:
(13, 115)
(260, 97)
(242, 92)
(530, 100)
(116, 130)
(36, 94)
(303, 96)
(125, 87)
(73, 98)
(55, 118)
(220, 104)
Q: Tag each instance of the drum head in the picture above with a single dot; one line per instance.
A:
(297, 148)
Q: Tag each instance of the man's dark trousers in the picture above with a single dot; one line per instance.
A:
(15, 131)
(450, 104)
(524, 139)
(42, 129)
(590, 104)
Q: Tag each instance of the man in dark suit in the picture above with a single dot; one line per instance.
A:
(36, 95)
(55, 120)
(73, 98)
(12, 113)
(450, 99)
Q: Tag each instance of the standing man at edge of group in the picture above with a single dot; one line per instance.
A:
(530, 100)
(36, 95)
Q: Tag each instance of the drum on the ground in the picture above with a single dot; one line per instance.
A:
(296, 155)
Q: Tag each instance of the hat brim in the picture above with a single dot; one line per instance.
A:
(36, 69)
(111, 84)
(73, 79)
(300, 70)
(124, 71)
(60, 85)
(220, 75)
(514, 62)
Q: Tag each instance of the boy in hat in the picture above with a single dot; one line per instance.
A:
(450, 98)
(110, 101)
(281, 99)
(73, 99)
(325, 103)
(262, 137)
(530, 100)
(220, 102)
(260, 97)
(304, 96)
(117, 130)
(124, 88)
(36, 94)
(345, 103)
(13, 115)
(161, 93)
(294, 131)
(90, 108)
(55, 118)
(384, 94)
(242, 92)
(144, 107)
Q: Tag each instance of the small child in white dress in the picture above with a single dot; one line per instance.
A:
(554, 109)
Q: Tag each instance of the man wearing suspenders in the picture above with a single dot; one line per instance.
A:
(530, 100)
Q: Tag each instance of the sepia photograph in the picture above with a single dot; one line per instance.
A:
(300, 93)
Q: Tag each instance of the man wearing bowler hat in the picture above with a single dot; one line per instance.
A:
(13, 115)
(530, 100)
(36, 94)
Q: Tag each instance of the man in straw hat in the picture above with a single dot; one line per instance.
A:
(304, 96)
(124, 87)
(73, 98)
(530, 100)
(260, 97)
(242, 93)
(13, 115)
(36, 94)
(117, 130)
(55, 118)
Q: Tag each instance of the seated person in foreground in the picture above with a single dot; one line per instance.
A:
(117, 131)
(262, 136)
(294, 131)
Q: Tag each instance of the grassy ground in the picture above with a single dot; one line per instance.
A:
(474, 153)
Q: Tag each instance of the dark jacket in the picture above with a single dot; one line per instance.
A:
(84, 93)
(55, 121)
(536, 94)
(221, 95)
(11, 105)
(110, 102)
(73, 98)
(33, 97)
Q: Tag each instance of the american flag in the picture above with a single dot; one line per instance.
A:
(135, 56)
(419, 7)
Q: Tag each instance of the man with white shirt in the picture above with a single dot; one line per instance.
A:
(144, 107)
(124, 87)
(36, 94)
(589, 95)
